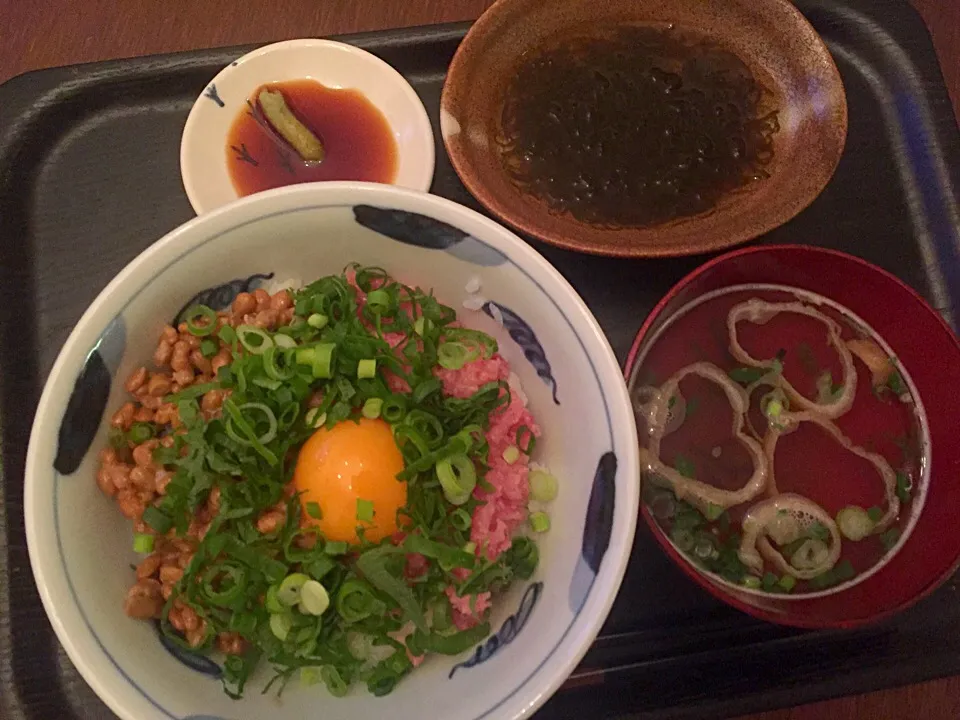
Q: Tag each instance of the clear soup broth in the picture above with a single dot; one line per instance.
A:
(763, 464)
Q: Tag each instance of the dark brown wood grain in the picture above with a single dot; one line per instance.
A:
(44, 33)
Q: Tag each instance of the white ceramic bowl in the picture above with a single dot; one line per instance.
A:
(203, 147)
(80, 546)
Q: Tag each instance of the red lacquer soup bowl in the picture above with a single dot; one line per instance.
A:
(892, 419)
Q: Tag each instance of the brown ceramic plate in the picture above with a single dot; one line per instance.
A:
(779, 46)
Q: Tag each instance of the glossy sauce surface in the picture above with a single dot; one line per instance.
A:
(358, 140)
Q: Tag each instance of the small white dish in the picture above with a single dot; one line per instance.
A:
(203, 146)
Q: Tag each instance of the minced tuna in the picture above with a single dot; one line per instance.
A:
(504, 508)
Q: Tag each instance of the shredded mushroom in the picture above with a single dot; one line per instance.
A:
(657, 414)
(760, 312)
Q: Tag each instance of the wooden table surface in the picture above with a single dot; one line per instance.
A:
(43, 33)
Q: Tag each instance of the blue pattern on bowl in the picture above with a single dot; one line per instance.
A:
(508, 631)
(220, 297)
(596, 530)
(426, 232)
(524, 336)
(88, 399)
(211, 92)
(195, 661)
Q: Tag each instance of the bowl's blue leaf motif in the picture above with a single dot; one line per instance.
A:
(220, 297)
(211, 92)
(88, 400)
(524, 336)
(508, 631)
(194, 661)
(596, 531)
(427, 232)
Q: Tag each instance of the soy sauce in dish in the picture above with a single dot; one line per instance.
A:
(635, 125)
(357, 139)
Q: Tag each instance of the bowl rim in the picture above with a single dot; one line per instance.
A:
(555, 667)
(567, 240)
(705, 580)
(425, 164)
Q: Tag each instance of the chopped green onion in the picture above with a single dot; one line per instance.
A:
(422, 325)
(157, 519)
(453, 355)
(819, 531)
(253, 339)
(543, 486)
(713, 511)
(895, 382)
(310, 676)
(372, 408)
(685, 466)
(289, 592)
(314, 599)
(458, 478)
(336, 685)
(372, 564)
(875, 514)
(890, 537)
(461, 519)
(143, 543)
(683, 538)
(267, 383)
(378, 301)
(317, 321)
(394, 409)
(335, 548)
(539, 522)
(227, 334)
(769, 581)
(365, 510)
(526, 440)
(366, 369)
(751, 581)
(773, 409)
(812, 553)
(787, 582)
(511, 454)
(222, 584)
(237, 418)
(356, 601)
(284, 341)
(195, 315)
(278, 363)
(313, 510)
(315, 418)
(280, 625)
(322, 365)
(209, 348)
(854, 522)
(139, 433)
(271, 602)
(470, 547)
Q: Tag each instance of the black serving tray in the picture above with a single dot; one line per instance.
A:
(89, 177)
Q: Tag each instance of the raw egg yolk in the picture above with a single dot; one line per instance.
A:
(350, 462)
